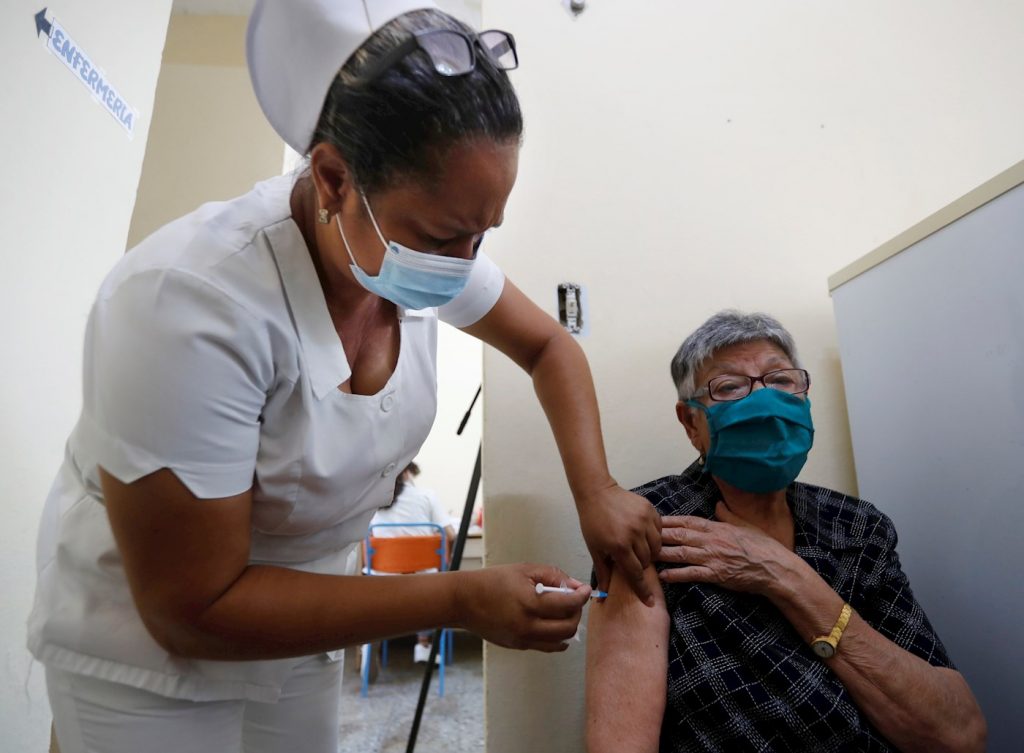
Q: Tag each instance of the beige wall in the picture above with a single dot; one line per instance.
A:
(209, 139)
(66, 196)
(681, 158)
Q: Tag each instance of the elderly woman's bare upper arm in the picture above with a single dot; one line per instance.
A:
(623, 609)
(627, 666)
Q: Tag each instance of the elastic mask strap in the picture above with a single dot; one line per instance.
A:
(373, 219)
(696, 404)
(344, 240)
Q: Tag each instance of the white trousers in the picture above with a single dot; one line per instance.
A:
(96, 716)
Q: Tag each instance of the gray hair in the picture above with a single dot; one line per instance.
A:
(725, 328)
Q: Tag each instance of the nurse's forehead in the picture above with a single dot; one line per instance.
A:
(474, 173)
(454, 208)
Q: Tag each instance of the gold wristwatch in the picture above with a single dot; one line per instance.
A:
(825, 645)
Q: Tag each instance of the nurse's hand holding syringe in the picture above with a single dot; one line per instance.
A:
(502, 605)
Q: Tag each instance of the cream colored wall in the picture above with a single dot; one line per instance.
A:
(209, 139)
(681, 158)
(66, 194)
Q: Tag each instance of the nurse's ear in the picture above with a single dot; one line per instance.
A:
(332, 177)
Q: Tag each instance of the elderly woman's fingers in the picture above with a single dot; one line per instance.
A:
(679, 536)
(686, 555)
(691, 574)
(686, 521)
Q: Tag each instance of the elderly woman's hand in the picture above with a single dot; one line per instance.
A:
(623, 528)
(728, 552)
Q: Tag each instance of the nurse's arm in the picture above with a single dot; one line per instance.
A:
(187, 563)
(616, 524)
(627, 664)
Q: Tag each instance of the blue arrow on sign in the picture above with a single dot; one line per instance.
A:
(42, 24)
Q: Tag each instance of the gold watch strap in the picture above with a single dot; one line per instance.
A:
(837, 631)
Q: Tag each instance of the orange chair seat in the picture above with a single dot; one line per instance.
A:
(404, 554)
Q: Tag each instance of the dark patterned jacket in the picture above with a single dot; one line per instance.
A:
(739, 676)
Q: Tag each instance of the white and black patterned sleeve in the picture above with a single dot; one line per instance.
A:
(888, 604)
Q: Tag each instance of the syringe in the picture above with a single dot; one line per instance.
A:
(542, 589)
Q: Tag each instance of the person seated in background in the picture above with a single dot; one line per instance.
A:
(413, 505)
(784, 622)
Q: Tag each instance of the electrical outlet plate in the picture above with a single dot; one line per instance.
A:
(573, 312)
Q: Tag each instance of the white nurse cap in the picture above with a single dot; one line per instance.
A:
(295, 48)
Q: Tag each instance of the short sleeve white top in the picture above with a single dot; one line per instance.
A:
(210, 351)
(412, 505)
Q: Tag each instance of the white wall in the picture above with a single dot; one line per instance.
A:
(209, 139)
(446, 460)
(66, 195)
(681, 158)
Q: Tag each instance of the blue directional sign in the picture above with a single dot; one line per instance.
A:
(60, 43)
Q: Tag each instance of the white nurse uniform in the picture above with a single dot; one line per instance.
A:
(210, 351)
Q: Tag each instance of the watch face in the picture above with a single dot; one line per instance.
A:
(823, 649)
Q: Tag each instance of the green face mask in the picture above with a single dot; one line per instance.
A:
(759, 443)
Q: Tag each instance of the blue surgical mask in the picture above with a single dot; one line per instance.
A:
(407, 278)
(759, 443)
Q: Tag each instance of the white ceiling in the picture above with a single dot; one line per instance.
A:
(466, 10)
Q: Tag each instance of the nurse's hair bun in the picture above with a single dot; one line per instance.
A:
(400, 126)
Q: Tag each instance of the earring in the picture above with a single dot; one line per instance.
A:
(322, 216)
(701, 459)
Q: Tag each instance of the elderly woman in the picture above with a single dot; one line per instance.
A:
(786, 622)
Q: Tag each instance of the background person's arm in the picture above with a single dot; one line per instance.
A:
(916, 706)
(186, 560)
(617, 525)
(627, 665)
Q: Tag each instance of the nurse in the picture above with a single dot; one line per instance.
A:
(258, 371)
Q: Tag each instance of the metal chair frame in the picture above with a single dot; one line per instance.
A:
(371, 546)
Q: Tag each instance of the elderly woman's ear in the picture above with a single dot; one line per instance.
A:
(689, 417)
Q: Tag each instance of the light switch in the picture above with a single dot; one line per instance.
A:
(572, 308)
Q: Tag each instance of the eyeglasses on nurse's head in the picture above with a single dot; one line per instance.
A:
(452, 52)
(726, 387)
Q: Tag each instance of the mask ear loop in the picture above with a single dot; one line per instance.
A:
(373, 219)
(344, 240)
(376, 227)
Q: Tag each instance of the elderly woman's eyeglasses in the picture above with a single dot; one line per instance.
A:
(452, 53)
(726, 387)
